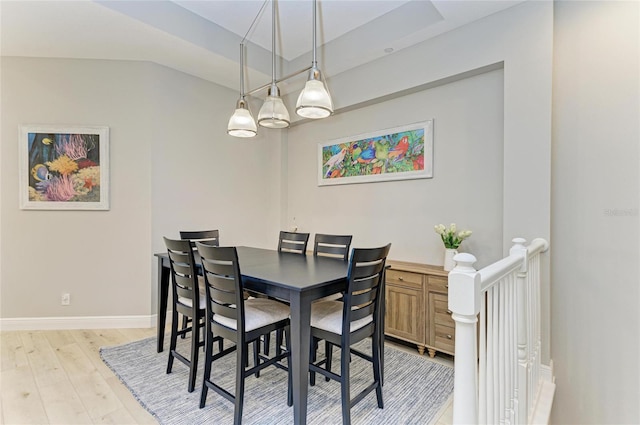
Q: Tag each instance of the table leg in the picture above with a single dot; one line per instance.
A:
(163, 295)
(300, 335)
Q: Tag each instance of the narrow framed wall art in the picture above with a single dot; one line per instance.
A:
(398, 153)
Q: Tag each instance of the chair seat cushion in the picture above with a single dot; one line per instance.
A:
(327, 315)
(258, 312)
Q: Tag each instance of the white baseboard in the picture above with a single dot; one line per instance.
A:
(546, 372)
(82, 322)
(544, 402)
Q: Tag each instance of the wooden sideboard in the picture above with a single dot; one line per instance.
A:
(416, 308)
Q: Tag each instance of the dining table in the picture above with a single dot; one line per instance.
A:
(298, 279)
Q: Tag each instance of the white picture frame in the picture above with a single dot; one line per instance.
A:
(398, 153)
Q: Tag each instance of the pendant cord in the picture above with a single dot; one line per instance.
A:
(241, 70)
(273, 42)
(314, 63)
(242, 94)
(254, 21)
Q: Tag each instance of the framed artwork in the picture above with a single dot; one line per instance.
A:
(64, 167)
(393, 154)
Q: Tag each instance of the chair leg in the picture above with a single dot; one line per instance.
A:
(377, 369)
(287, 336)
(256, 355)
(381, 347)
(328, 349)
(239, 396)
(267, 343)
(193, 364)
(344, 386)
(278, 342)
(208, 353)
(312, 359)
(173, 341)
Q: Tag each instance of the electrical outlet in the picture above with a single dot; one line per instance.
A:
(65, 299)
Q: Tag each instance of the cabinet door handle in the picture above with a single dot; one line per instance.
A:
(449, 311)
(446, 286)
(449, 336)
(400, 278)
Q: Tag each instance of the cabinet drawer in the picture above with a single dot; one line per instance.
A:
(442, 314)
(445, 338)
(406, 279)
(438, 283)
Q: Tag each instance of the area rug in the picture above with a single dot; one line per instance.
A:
(415, 389)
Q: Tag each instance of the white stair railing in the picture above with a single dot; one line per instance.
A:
(497, 353)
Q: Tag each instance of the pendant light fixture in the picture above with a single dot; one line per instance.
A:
(241, 123)
(314, 100)
(273, 113)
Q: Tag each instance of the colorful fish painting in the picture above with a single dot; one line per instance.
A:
(63, 167)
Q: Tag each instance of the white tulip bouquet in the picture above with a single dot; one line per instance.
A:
(450, 236)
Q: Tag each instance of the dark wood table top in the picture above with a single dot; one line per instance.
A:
(286, 270)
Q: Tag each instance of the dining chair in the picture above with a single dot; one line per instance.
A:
(356, 317)
(210, 237)
(333, 246)
(188, 302)
(293, 242)
(296, 243)
(230, 316)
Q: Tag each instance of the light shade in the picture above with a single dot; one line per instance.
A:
(273, 113)
(241, 123)
(314, 100)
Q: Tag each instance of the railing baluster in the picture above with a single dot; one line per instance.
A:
(482, 346)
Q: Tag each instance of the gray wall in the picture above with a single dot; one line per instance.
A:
(466, 188)
(172, 167)
(595, 225)
(45, 253)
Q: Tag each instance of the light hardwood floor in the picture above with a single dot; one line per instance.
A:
(58, 377)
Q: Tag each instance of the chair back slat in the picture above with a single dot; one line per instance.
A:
(293, 242)
(222, 283)
(183, 269)
(336, 246)
(220, 291)
(210, 237)
(369, 269)
(179, 257)
(362, 312)
(364, 297)
(224, 309)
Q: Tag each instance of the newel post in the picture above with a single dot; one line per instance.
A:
(464, 303)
